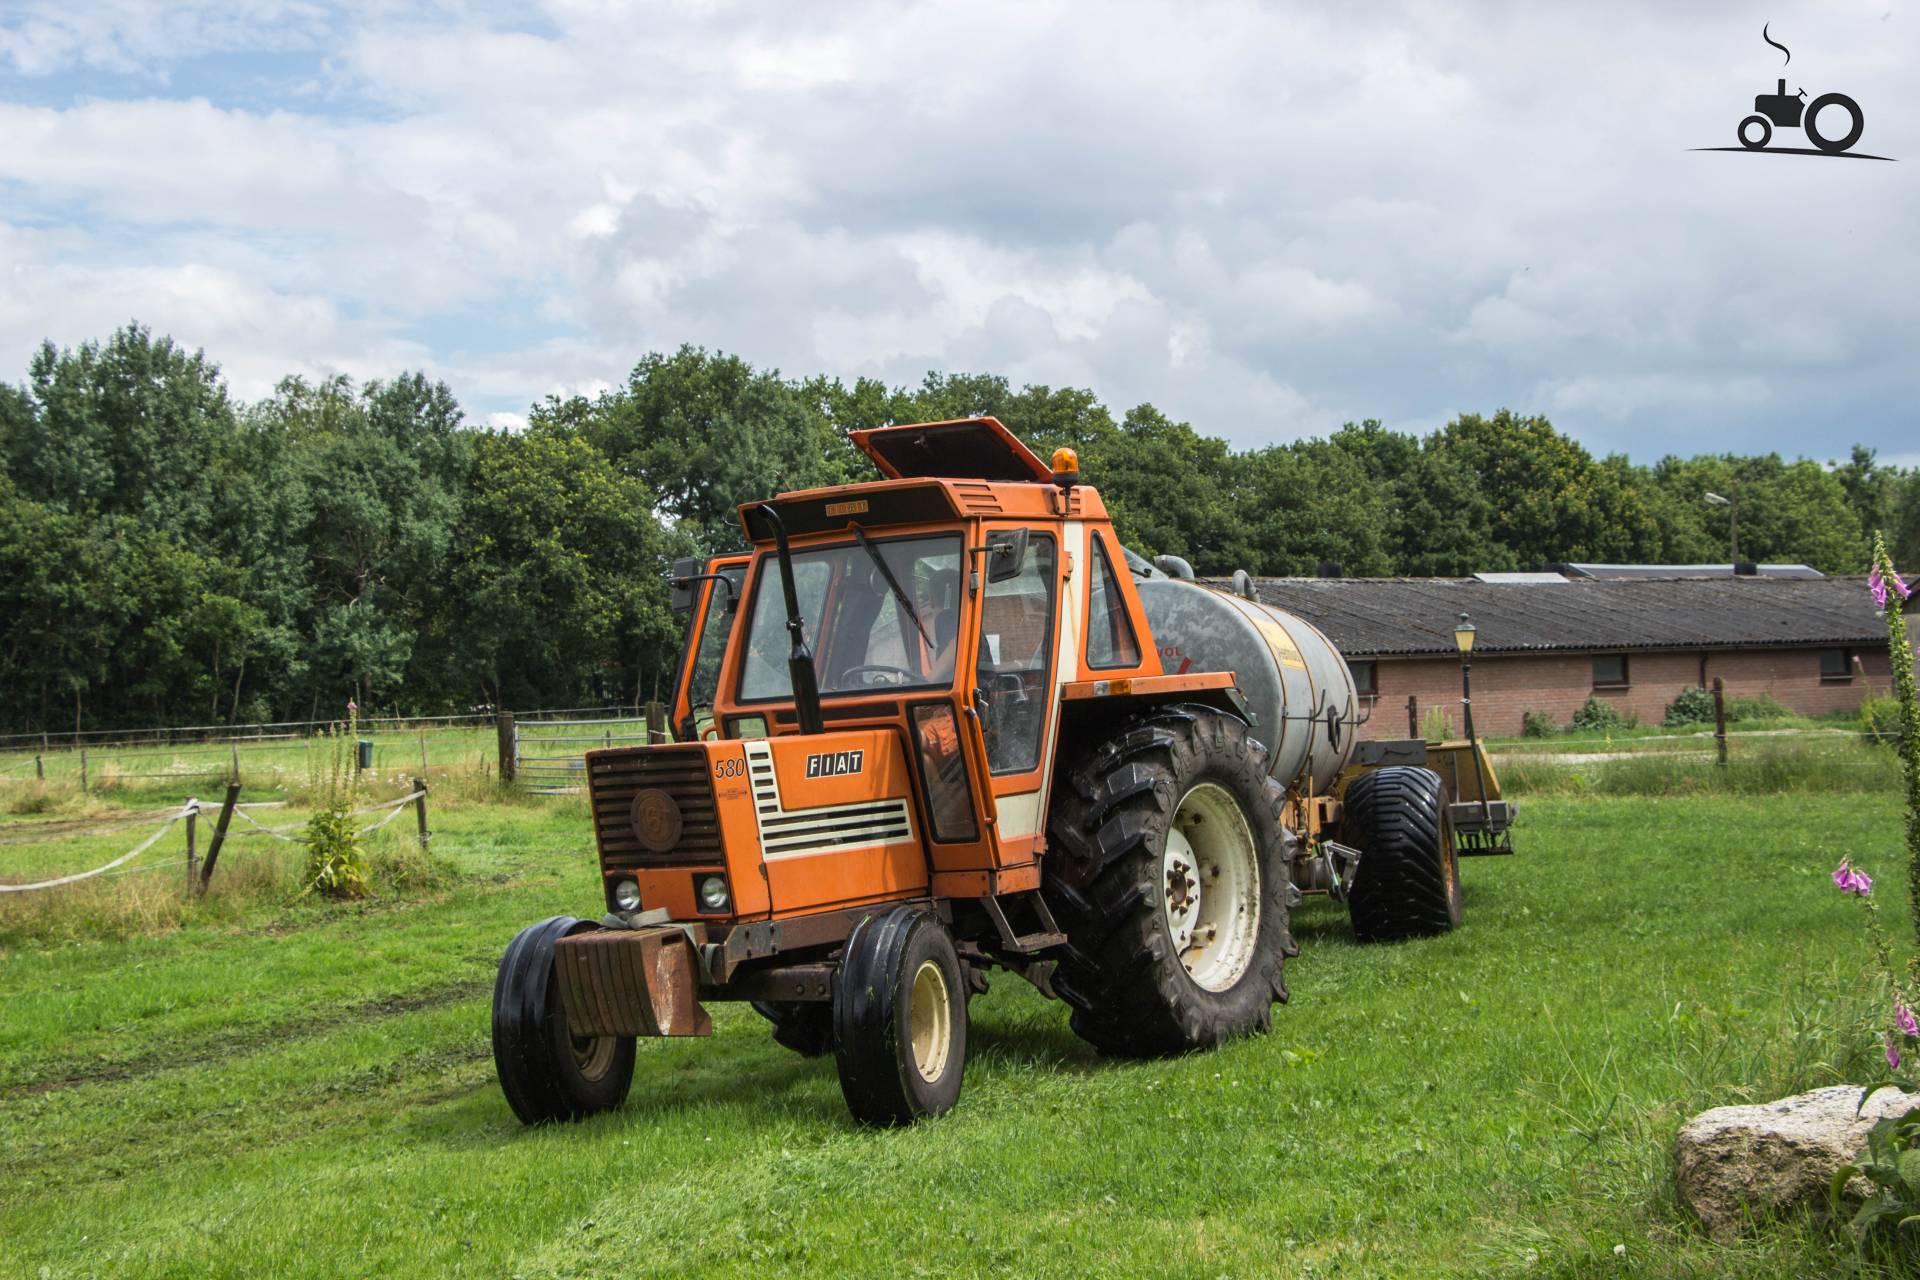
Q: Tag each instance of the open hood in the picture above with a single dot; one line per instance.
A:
(966, 449)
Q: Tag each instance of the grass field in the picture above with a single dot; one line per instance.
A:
(263, 1088)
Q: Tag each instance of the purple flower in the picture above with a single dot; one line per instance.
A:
(352, 705)
(1879, 586)
(1893, 1055)
(1903, 1018)
(1850, 879)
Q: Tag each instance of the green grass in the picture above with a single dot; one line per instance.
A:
(1759, 767)
(308, 1090)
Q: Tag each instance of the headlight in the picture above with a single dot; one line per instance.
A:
(712, 891)
(626, 894)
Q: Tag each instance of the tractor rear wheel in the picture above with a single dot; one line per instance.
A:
(804, 1026)
(547, 1073)
(1408, 883)
(1167, 867)
(900, 1018)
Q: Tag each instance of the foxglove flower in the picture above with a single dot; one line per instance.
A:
(1879, 586)
(352, 705)
(1850, 879)
(1903, 1018)
(1893, 1056)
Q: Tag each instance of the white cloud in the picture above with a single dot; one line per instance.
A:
(1264, 221)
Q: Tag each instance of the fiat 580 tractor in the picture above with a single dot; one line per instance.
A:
(941, 723)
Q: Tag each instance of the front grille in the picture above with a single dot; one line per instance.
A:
(613, 779)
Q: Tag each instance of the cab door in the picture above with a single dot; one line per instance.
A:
(712, 602)
(1025, 629)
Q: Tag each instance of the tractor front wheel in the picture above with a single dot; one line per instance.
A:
(1167, 869)
(546, 1072)
(900, 1018)
(1408, 883)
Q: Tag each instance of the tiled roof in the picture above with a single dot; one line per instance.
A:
(1366, 617)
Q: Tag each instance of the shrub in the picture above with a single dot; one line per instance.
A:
(1693, 706)
(1436, 725)
(1880, 720)
(1537, 724)
(1761, 706)
(336, 852)
(1595, 716)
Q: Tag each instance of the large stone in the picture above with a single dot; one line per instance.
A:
(1733, 1165)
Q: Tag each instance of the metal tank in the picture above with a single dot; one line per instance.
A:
(1296, 684)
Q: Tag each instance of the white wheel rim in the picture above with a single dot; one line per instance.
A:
(930, 1018)
(1210, 887)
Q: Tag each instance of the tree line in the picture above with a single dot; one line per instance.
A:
(171, 555)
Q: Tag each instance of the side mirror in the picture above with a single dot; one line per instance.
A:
(1006, 554)
(684, 583)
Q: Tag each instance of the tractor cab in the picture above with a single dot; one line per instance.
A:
(872, 692)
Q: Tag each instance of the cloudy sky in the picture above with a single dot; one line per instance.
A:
(1266, 219)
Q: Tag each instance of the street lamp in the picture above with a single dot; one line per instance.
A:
(1733, 515)
(1463, 641)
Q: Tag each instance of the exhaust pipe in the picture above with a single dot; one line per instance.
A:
(806, 686)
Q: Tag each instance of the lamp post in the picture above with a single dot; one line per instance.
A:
(1733, 516)
(1463, 641)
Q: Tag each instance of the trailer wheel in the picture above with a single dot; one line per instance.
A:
(546, 1073)
(900, 1018)
(804, 1026)
(1408, 884)
(1167, 867)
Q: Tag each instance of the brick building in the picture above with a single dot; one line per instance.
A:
(1548, 643)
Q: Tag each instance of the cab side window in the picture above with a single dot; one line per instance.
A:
(1015, 656)
(1110, 638)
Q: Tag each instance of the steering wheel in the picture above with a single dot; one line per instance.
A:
(906, 677)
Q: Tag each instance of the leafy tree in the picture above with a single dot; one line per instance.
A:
(1551, 501)
(559, 577)
(706, 433)
(125, 428)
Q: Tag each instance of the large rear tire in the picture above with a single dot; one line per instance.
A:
(1408, 882)
(1167, 867)
(900, 1018)
(546, 1073)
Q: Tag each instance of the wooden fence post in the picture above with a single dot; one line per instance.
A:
(40, 768)
(656, 723)
(83, 771)
(420, 808)
(193, 815)
(1720, 719)
(219, 834)
(505, 723)
(1413, 716)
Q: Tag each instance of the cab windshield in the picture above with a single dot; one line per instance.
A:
(880, 614)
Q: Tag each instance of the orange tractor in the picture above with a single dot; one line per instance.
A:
(941, 723)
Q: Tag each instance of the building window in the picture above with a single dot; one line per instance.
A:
(1363, 679)
(1836, 665)
(1609, 670)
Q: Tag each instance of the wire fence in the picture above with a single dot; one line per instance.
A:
(280, 753)
(287, 730)
(193, 809)
(549, 757)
